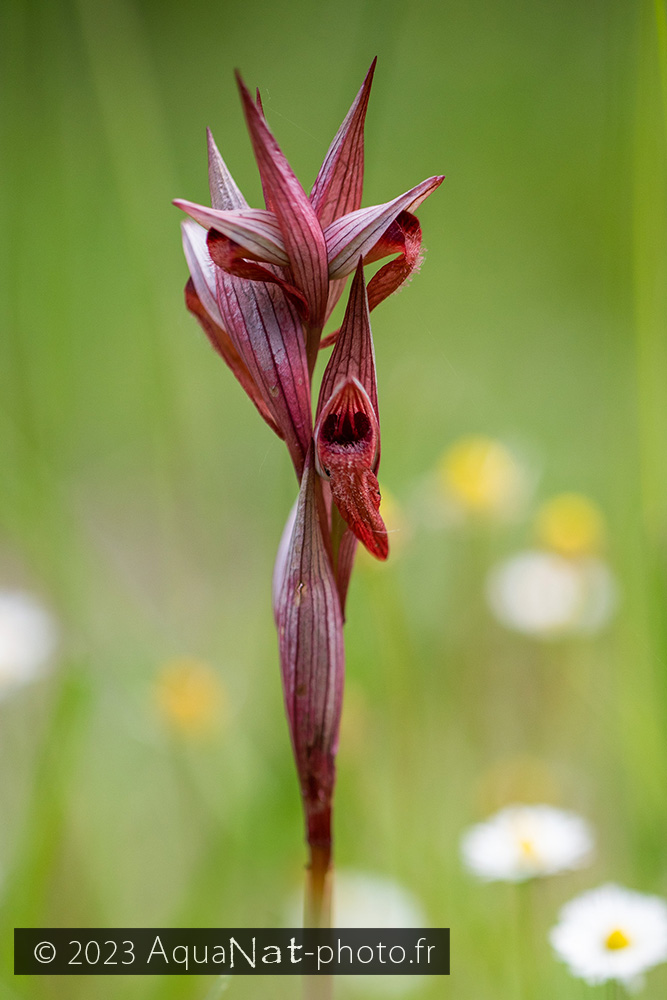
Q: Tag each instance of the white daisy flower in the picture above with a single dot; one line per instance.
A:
(546, 595)
(364, 900)
(522, 842)
(612, 933)
(28, 639)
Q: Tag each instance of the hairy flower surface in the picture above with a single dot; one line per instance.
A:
(522, 842)
(612, 933)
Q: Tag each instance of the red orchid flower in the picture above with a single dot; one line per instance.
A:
(347, 429)
(312, 243)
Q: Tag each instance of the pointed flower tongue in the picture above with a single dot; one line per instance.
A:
(347, 431)
(310, 633)
(301, 230)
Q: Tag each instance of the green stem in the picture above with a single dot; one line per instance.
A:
(614, 991)
(524, 911)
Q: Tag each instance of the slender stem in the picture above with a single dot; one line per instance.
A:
(524, 907)
(614, 990)
(318, 913)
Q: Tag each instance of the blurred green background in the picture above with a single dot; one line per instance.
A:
(142, 499)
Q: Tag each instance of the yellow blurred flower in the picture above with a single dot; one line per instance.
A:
(482, 476)
(189, 697)
(571, 525)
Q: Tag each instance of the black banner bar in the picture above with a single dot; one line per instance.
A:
(223, 951)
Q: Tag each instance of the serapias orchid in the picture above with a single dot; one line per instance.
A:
(263, 283)
(311, 243)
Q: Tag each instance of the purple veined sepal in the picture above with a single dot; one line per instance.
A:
(301, 230)
(371, 233)
(338, 187)
(309, 620)
(238, 238)
(255, 230)
(403, 237)
(309, 246)
(260, 321)
(343, 556)
(356, 234)
(201, 302)
(347, 427)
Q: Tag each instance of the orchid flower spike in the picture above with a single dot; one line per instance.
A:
(263, 283)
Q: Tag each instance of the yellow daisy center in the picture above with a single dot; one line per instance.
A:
(617, 940)
(527, 848)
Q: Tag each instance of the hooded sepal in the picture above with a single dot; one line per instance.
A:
(259, 320)
(338, 187)
(225, 192)
(301, 230)
(347, 428)
(201, 302)
(310, 632)
(238, 239)
(347, 445)
(353, 355)
(223, 345)
(265, 328)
